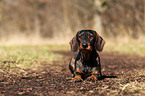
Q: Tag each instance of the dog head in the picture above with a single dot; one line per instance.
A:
(87, 40)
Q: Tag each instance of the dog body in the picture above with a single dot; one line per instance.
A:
(86, 62)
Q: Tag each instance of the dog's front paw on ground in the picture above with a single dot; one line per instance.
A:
(92, 78)
(77, 79)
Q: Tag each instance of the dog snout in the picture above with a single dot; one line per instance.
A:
(84, 45)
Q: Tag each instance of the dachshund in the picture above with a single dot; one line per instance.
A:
(86, 63)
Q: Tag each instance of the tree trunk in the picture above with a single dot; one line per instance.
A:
(0, 11)
(98, 17)
(0, 18)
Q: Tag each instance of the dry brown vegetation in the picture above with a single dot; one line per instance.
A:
(34, 19)
(42, 70)
(125, 18)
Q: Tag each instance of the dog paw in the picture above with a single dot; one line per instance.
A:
(92, 78)
(77, 78)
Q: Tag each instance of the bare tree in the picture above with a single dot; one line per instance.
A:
(98, 16)
(1, 10)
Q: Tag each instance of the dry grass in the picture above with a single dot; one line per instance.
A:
(134, 85)
(22, 39)
(126, 45)
(121, 44)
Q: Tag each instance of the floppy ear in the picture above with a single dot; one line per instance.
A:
(74, 44)
(99, 44)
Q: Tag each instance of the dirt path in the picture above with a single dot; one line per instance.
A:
(55, 79)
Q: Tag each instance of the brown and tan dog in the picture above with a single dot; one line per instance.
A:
(86, 62)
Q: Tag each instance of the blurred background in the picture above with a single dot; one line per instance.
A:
(56, 21)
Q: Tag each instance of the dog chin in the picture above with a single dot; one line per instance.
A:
(85, 50)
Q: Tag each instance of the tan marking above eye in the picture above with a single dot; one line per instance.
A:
(90, 36)
(80, 35)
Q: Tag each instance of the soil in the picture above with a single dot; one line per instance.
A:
(55, 78)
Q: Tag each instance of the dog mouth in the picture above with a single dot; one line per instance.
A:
(85, 50)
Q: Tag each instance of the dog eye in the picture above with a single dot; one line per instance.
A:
(80, 35)
(90, 35)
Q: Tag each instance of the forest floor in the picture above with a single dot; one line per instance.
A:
(41, 71)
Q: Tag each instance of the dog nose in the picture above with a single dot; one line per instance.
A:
(85, 45)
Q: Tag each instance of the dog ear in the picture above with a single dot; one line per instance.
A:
(99, 44)
(74, 44)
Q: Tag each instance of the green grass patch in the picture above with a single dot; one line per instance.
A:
(138, 49)
(23, 57)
